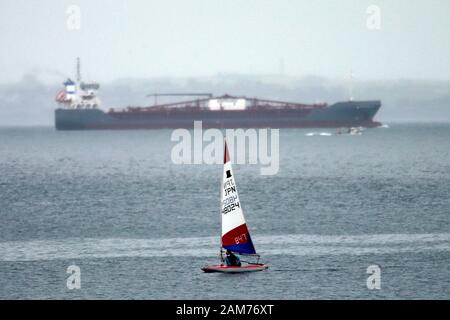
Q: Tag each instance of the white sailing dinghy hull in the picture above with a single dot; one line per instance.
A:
(226, 269)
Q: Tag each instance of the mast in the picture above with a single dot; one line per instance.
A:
(220, 206)
(350, 89)
(78, 70)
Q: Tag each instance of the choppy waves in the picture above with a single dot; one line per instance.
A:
(307, 245)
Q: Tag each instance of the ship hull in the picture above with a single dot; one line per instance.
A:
(341, 114)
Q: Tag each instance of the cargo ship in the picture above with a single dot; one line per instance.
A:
(79, 109)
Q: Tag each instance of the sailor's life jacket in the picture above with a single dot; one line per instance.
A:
(232, 260)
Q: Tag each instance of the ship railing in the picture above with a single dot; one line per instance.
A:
(202, 104)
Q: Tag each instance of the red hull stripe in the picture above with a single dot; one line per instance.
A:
(236, 267)
(127, 126)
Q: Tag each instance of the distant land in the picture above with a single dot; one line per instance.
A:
(31, 101)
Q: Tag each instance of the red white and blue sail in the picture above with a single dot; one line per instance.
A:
(235, 234)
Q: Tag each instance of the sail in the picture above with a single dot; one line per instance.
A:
(235, 234)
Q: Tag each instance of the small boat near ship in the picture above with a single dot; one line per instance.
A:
(351, 131)
(235, 234)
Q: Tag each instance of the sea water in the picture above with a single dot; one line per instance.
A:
(139, 226)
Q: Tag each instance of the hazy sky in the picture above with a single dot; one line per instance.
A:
(204, 37)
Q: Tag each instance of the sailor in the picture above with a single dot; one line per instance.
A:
(231, 260)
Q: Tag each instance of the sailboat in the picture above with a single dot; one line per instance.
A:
(235, 234)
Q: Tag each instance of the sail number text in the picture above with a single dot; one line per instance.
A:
(229, 204)
(241, 239)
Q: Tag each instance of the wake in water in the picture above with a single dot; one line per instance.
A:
(307, 245)
(325, 134)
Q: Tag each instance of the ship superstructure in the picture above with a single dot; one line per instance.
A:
(78, 94)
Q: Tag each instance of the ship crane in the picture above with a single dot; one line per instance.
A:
(156, 95)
